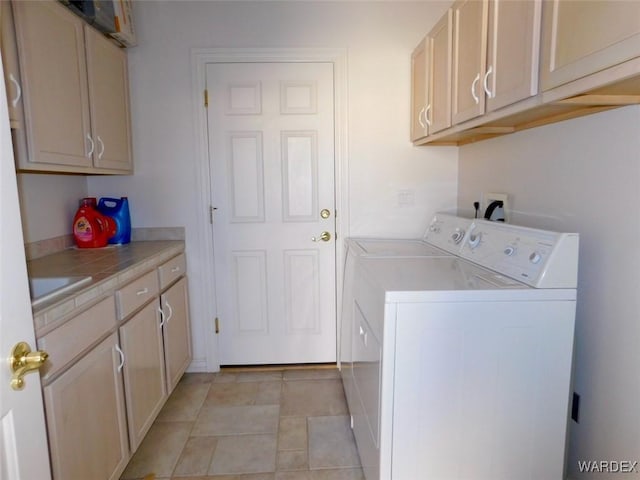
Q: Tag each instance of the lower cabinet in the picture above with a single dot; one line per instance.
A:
(86, 417)
(176, 331)
(101, 400)
(144, 372)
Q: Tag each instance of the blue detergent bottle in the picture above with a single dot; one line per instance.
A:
(118, 209)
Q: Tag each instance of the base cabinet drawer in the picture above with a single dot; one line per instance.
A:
(71, 339)
(86, 417)
(135, 294)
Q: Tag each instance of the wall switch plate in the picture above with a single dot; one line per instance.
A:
(488, 198)
(406, 197)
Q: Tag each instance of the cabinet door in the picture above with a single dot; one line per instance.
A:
(109, 100)
(86, 417)
(367, 357)
(10, 63)
(54, 83)
(440, 74)
(584, 37)
(419, 90)
(469, 58)
(513, 55)
(177, 332)
(12, 80)
(144, 374)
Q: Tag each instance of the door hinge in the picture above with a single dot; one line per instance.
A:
(212, 210)
(206, 98)
(217, 325)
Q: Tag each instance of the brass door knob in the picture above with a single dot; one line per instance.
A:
(23, 361)
(324, 237)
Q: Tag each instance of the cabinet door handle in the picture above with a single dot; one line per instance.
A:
(101, 143)
(92, 146)
(420, 118)
(426, 115)
(473, 89)
(16, 99)
(121, 353)
(170, 310)
(142, 292)
(485, 82)
(162, 320)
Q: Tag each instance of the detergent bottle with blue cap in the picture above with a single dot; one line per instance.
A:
(118, 210)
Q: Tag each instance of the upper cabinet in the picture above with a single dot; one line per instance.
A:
(420, 69)
(75, 93)
(522, 64)
(495, 55)
(12, 79)
(440, 92)
(431, 81)
(581, 38)
(469, 58)
(109, 101)
(513, 52)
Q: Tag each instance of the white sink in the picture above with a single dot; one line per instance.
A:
(45, 288)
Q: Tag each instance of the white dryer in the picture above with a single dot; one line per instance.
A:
(460, 365)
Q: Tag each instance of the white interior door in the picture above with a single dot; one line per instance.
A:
(23, 441)
(271, 150)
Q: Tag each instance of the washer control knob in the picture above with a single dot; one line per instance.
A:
(474, 239)
(535, 258)
(509, 250)
(457, 235)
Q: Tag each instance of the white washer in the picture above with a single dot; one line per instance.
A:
(459, 371)
(443, 237)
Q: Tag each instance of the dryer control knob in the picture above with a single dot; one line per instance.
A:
(457, 236)
(474, 239)
(509, 250)
(535, 257)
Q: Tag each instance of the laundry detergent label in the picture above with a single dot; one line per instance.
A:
(82, 229)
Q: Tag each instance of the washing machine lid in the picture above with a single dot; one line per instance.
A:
(380, 247)
(447, 279)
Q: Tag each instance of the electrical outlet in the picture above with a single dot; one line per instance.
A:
(489, 198)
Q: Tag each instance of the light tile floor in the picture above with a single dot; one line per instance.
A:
(282, 425)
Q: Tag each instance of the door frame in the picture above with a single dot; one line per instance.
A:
(200, 57)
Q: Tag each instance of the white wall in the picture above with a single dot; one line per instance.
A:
(379, 37)
(48, 204)
(583, 175)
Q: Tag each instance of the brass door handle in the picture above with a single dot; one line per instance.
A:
(324, 237)
(23, 361)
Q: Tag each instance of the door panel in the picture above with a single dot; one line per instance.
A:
(54, 83)
(513, 51)
(469, 58)
(109, 99)
(271, 148)
(23, 438)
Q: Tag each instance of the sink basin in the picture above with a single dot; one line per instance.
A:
(45, 288)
